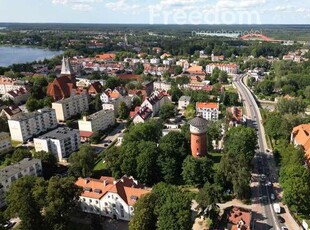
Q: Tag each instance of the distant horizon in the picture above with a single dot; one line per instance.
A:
(155, 24)
(277, 12)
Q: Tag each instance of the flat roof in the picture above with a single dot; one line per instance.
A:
(26, 116)
(11, 170)
(59, 133)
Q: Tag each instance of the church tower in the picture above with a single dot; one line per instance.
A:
(66, 68)
(198, 129)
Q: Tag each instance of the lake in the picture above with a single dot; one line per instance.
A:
(19, 54)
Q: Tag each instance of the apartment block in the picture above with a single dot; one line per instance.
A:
(5, 142)
(61, 142)
(100, 120)
(27, 125)
(70, 106)
(7, 84)
(9, 174)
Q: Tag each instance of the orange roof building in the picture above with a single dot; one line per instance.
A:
(198, 70)
(208, 110)
(105, 57)
(236, 218)
(110, 197)
(301, 136)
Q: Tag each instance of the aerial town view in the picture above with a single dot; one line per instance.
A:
(154, 114)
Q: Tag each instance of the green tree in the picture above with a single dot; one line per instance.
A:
(223, 77)
(4, 126)
(291, 106)
(144, 218)
(20, 154)
(174, 148)
(82, 162)
(167, 111)
(147, 170)
(123, 111)
(177, 70)
(62, 199)
(24, 200)
(209, 195)
(49, 162)
(190, 111)
(33, 104)
(295, 180)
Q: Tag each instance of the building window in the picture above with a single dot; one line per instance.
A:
(97, 202)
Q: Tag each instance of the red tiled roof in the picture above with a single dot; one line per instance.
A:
(126, 188)
(86, 134)
(210, 105)
(61, 87)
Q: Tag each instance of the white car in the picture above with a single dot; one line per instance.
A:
(272, 196)
(284, 228)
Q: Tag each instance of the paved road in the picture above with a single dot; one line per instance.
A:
(264, 167)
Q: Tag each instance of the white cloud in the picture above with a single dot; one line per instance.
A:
(240, 4)
(126, 6)
(79, 5)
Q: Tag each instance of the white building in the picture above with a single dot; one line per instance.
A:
(5, 142)
(155, 101)
(109, 197)
(209, 111)
(70, 106)
(112, 99)
(18, 96)
(162, 86)
(26, 125)
(61, 142)
(229, 68)
(155, 61)
(183, 102)
(100, 120)
(8, 84)
(9, 174)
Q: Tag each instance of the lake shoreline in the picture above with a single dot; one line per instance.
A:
(20, 54)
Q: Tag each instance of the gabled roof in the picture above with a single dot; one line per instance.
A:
(126, 187)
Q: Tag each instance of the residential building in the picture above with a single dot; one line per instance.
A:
(162, 86)
(112, 99)
(237, 218)
(155, 61)
(28, 125)
(229, 68)
(215, 58)
(61, 142)
(236, 116)
(10, 111)
(9, 174)
(100, 120)
(7, 84)
(143, 114)
(155, 101)
(66, 108)
(5, 142)
(300, 136)
(18, 96)
(94, 88)
(183, 102)
(208, 110)
(196, 70)
(110, 197)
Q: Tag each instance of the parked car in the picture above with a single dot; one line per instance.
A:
(284, 228)
(281, 219)
(272, 196)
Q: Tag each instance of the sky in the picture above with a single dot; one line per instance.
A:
(157, 11)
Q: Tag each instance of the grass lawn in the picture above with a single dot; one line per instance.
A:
(15, 143)
(216, 157)
(100, 169)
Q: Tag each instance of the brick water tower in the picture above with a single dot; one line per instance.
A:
(198, 129)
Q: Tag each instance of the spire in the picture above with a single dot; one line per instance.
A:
(66, 68)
